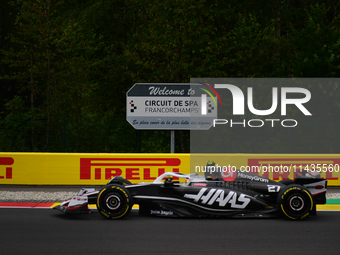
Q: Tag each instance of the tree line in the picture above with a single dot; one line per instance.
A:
(66, 65)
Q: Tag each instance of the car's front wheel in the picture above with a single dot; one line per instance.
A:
(295, 202)
(114, 202)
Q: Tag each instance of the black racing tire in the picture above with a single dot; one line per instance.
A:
(119, 180)
(114, 202)
(287, 181)
(126, 182)
(295, 202)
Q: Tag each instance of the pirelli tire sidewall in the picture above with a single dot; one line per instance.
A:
(295, 202)
(114, 201)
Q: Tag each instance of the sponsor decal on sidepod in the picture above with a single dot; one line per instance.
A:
(217, 195)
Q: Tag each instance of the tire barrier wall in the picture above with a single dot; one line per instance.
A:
(98, 169)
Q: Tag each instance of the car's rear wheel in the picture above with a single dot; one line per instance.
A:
(286, 181)
(114, 202)
(295, 202)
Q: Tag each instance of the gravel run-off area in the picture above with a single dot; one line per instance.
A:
(35, 196)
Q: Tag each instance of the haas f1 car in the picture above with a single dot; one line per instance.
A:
(215, 194)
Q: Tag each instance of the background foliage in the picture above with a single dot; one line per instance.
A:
(66, 65)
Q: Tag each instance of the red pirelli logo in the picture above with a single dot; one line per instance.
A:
(134, 168)
(6, 161)
(284, 167)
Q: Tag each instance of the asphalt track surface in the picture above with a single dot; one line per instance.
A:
(47, 231)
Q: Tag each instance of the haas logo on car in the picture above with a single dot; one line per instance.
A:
(219, 196)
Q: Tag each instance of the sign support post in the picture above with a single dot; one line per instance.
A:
(172, 141)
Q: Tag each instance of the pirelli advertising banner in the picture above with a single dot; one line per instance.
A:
(86, 169)
(98, 169)
(273, 166)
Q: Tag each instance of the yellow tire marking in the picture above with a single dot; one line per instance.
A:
(127, 208)
(286, 213)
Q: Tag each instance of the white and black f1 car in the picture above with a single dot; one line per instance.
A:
(212, 195)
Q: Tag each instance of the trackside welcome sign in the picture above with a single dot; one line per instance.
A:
(171, 106)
